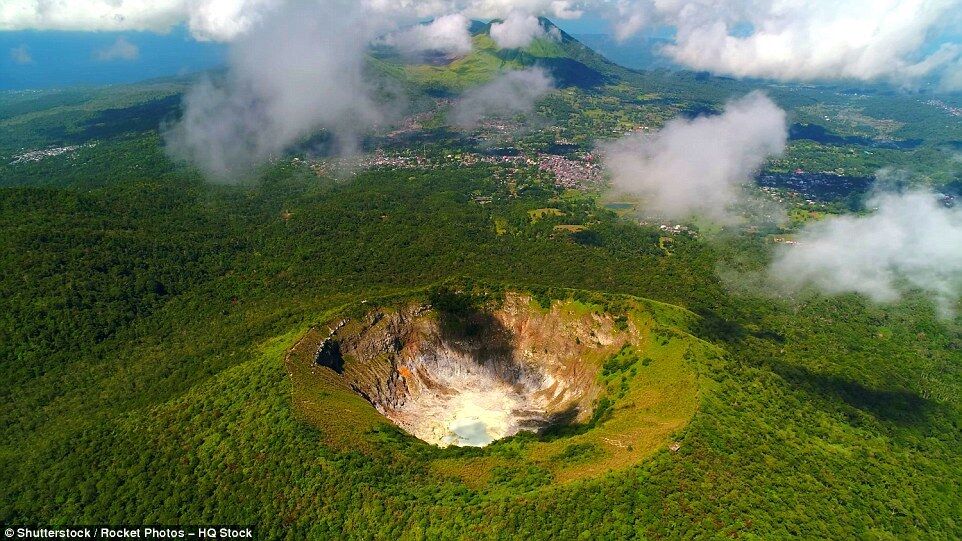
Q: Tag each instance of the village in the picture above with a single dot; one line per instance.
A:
(954, 111)
(582, 172)
(38, 155)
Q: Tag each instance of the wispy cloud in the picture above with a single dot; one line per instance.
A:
(910, 241)
(512, 93)
(207, 19)
(699, 166)
(448, 34)
(300, 71)
(21, 55)
(519, 29)
(884, 40)
(120, 49)
(821, 39)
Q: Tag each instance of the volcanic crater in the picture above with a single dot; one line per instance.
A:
(453, 374)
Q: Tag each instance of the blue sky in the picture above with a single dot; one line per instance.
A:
(894, 41)
(43, 59)
(58, 58)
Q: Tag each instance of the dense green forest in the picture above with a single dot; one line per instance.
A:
(145, 314)
(145, 321)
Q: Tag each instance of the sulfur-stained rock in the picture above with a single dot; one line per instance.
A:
(472, 378)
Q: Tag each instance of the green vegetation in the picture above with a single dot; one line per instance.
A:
(632, 417)
(145, 323)
(481, 65)
(145, 316)
(538, 214)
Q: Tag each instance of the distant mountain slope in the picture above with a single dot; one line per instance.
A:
(569, 62)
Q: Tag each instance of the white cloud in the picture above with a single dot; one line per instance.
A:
(804, 40)
(888, 40)
(512, 93)
(951, 80)
(21, 55)
(207, 19)
(628, 19)
(563, 9)
(911, 240)
(517, 30)
(698, 166)
(224, 20)
(299, 71)
(493, 9)
(448, 34)
(120, 49)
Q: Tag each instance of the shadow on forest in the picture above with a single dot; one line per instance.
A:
(819, 134)
(712, 327)
(136, 118)
(899, 406)
(468, 328)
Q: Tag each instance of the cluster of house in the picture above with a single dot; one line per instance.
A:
(954, 111)
(497, 125)
(571, 173)
(378, 159)
(778, 195)
(37, 155)
(670, 227)
(413, 123)
(812, 187)
(783, 240)
(568, 173)
(676, 229)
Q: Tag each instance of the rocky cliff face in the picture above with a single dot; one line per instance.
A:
(471, 378)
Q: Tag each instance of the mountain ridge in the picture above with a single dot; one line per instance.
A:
(561, 55)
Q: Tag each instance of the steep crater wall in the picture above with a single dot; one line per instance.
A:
(470, 376)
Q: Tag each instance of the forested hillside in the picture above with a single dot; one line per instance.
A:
(146, 313)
